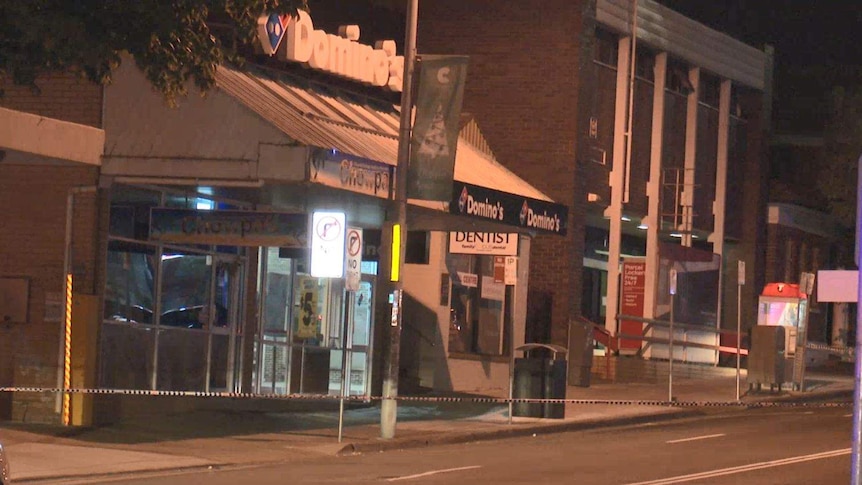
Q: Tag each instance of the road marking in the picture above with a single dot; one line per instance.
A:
(432, 472)
(745, 468)
(704, 437)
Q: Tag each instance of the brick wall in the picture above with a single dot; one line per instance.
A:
(32, 242)
(32, 246)
(522, 86)
(64, 96)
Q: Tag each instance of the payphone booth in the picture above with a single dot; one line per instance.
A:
(784, 307)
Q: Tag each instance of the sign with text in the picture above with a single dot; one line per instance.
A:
(327, 244)
(230, 228)
(342, 55)
(347, 172)
(469, 280)
(353, 271)
(515, 210)
(496, 243)
(510, 270)
(632, 291)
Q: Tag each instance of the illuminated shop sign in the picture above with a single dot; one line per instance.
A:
(340, 54)
(230, 228)
(339, 170)
(497, 243)
(506, 208)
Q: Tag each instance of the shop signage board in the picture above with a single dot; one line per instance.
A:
(353, 270)
(229, 228)
(496, 243)
(469, 280)
(294, 39)
(488, 204)
(632, 294)
(347, 172)
(327, 244)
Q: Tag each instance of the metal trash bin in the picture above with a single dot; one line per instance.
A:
(766, 359)
(536, 377)
(580, 353)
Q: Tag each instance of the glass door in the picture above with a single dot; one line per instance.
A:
(359, 324)
(222, 318)
(276, 286)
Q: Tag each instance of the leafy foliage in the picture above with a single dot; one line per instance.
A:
(172, 41)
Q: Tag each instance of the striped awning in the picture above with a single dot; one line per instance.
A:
(325, 117)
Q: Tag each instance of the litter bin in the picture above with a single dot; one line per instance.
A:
(539, 377)
(766, 359)
(580, 353)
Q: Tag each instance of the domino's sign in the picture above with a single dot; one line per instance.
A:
(340, 54)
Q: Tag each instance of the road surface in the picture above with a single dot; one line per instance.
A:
(759, 446)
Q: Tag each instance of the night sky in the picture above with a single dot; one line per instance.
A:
(803, 32)
(816, 43)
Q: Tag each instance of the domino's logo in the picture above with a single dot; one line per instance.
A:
(525, 210)
(462, 201)
(270, 30)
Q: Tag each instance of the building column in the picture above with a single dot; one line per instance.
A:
(690, 156)
(614, 211)
(653, 218)
(720, 202)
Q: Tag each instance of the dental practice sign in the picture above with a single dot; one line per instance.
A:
(342, 54)
(506, 208)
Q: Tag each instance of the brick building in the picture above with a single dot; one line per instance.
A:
(50, 149)
(172, 246)
(556, 91)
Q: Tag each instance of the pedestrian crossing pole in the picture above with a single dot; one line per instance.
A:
(388, 405)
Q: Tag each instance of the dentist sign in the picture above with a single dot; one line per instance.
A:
(340, 54)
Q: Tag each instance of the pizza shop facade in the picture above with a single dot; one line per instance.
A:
(213, 210)
(208, 294)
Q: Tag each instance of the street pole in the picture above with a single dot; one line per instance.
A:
(670, 337)
(388, 405)
(740, 280)
(855, 476)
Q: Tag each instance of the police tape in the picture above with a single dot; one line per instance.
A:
(439, 399)
(836, 349)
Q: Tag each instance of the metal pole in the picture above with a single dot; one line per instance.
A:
(672, 287)
(670, 354)
(855, 476)
(738, 333)
(345, 368)
(388, 405)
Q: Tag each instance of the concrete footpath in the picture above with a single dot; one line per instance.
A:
(219, 439)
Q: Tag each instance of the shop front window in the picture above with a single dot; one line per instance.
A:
(477, 306)
(172, 314)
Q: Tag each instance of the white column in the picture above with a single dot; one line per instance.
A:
(614, 212)
(720, 201)
(718, 205)
(690, 154)
(653, 219)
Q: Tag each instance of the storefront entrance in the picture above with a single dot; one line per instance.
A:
(304, 322)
